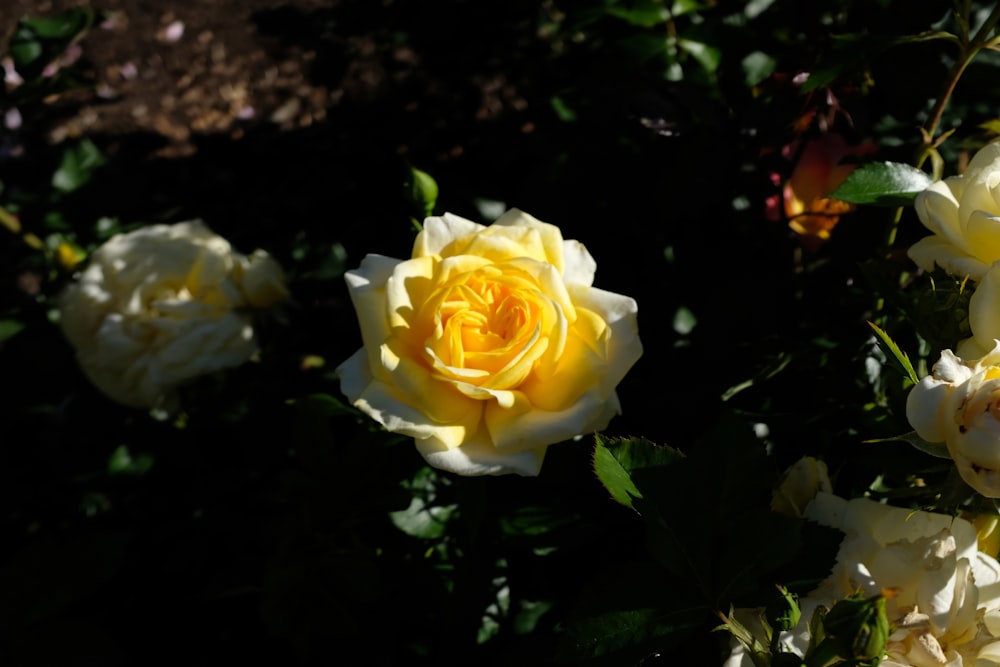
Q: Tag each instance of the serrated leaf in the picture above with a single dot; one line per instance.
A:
(628, 635)
(900, 356)
(729, 479)
(627, 613)
(937, 449)
(615, 459)
(883, 184)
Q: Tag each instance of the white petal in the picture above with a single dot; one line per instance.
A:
(580, 266)
(932, 250)
(925, 408)
(439, 231)
(477, 456)
(621, 314)
(984, 308)
(355, 375)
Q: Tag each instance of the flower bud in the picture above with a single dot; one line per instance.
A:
(782, 611)
(262, 280)
(858, 627)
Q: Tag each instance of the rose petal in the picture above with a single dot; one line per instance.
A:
(925, 408)
(932, 250)
(523, 426)
(440, 232)
(580, 265)
(477, 456)
(984, 308)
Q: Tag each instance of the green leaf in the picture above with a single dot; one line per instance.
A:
(900, 356)
(616, 458)
(78, 165)
(37, 42)
(422, 520)
(121, 462)
(757, 66)
(681, 7)
(562, 110)
(883, 184)
(629, 632)
(326, 405)
(644, 14)
(707, 56)
(426, 517)
(937, 449)
(65, 26)
(9, 329)
(626, 614)
(729, 479)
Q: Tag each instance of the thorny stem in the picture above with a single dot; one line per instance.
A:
(968, 51)
(930, 127)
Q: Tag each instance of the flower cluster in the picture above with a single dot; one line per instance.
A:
(162, 305)
(489, 344)
(957, 404)
(942, 595)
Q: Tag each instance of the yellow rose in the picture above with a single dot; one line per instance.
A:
(489, 344)
(962, 213)
(959, 404)
(162, 305)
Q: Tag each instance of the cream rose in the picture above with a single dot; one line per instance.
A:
(945, 611)
(984, 316)
(959, 404)
(799, 485)
(963, 212)
(489, 344)
(162, 305)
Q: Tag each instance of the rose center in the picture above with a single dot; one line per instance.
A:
(485, 325)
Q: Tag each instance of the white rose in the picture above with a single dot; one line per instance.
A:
(962, 212)
(946, 607)
(162, 305)
(959, 404)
